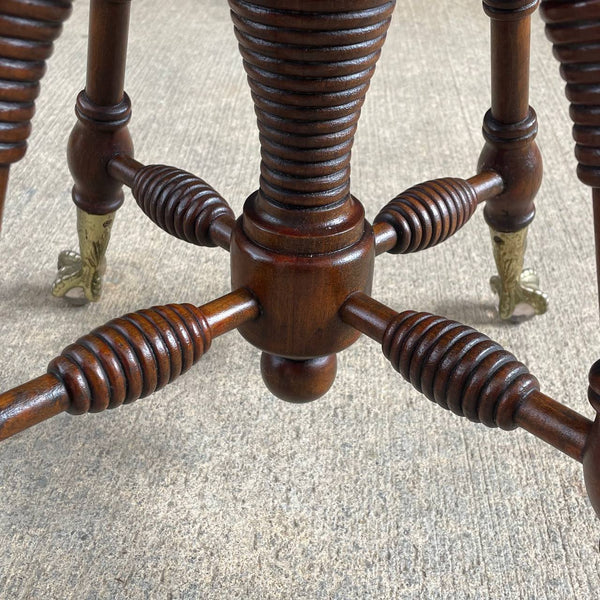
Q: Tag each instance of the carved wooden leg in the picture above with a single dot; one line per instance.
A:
(124, 360)
(103, 111)
(27, 32)
(510, 127)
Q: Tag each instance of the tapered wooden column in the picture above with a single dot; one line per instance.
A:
(302, 244)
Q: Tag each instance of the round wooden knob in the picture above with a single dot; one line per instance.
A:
(298, 380)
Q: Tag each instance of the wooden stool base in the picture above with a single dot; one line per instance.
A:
(302, 252)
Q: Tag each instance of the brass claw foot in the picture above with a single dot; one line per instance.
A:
(517, 288)
(83, 271)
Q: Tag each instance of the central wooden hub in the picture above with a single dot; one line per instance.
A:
(302, 245)
(300, 295)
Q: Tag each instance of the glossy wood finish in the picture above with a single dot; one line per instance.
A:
(464, 371)
(308, 70)
(103, 111)
(302, 244)
(28, 29)
(300, 295)
(574, 30)
(126, 359)
(302, 253)
(428, 214)
(510, 126)
(177, 201)
(429, 207)
(298, 381)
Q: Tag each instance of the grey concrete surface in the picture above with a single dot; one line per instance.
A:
(214, 489)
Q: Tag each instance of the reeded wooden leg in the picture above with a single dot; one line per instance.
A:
(510, 127)
(103, 111)
(574, 29)
(27, 32)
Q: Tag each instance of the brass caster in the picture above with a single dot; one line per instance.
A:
(517, 288)
(79, 278)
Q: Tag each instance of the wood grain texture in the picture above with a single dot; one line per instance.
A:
(309, 70)
(28, 29)
(466, 372)
(510, 126)
(327, 489)
(574, 30)
(103, 111)
(180, 203)
(453, 365)
(124, 360)
(428, 214)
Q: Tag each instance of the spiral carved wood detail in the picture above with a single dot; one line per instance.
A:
(429, 213)
(308, 69)
(574, 30)
(458, 367)
(28, 29)
(180, 203)
(131, 357)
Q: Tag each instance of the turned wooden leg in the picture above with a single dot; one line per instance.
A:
(574, 30)
(103, 111)
(509, 128)
(27, 32)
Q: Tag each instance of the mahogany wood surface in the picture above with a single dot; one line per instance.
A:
(103, 111)
(126, 359)
(178, 202)
(574, 30)
(464, 371)
(422, 213)
(28, 29)
(302, 253)
(510, 126)
(429, 213)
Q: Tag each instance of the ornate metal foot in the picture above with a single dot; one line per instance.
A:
(517, 288)
(84, 271)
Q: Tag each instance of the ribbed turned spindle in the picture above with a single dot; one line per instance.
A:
(574, 29)
(429, 213)
(309, 65)
(27, 30)
(180, 203)
(307, 115)
(131, 357)
(458, 367)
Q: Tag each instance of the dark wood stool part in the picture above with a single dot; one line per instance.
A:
(302, 252)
